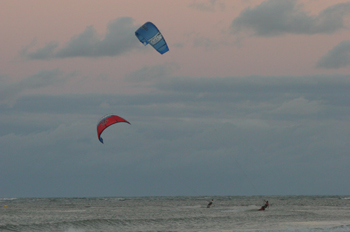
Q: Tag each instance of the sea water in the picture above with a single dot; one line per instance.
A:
(141, 214)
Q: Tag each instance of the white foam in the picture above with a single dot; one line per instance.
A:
(190, 207)
(7, 199)
(240, 209)
(74, 230)
(339, 226)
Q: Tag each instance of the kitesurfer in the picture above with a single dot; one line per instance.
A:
(265, 206)
(210, 203)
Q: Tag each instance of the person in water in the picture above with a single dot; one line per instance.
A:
(265, 206)
(210, 203)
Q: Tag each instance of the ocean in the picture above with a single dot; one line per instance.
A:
(146, 214)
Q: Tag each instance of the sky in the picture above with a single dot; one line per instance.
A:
(251, 99)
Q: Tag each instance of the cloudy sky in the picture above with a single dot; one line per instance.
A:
(252, 98)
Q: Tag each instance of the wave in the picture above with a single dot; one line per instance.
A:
(74, 230)
(7, 199)
(139, 225)
(345, 228)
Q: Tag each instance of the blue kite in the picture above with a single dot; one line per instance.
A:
(148, 33)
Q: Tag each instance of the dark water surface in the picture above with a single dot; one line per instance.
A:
(230, 213)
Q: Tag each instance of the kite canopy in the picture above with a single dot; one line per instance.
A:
(148, 33)
(107, 121)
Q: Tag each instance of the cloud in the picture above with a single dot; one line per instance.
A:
(299, 106)
(294, 126)
(9, 92)
(205, 42)
(207, 96)
(275, 17)
(119, 38)
(208, 6)
(338, 57)
(45, 52)
(254, 84)
(150, 73)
